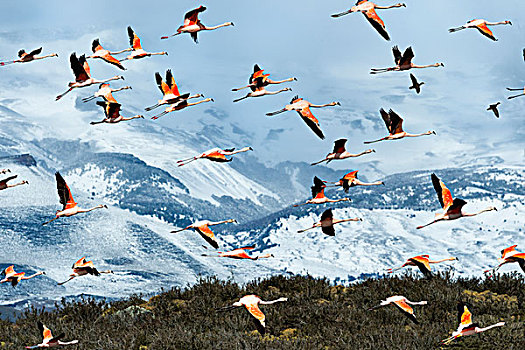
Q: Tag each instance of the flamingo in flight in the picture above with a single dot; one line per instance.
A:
(251, 303)
(105, 55)
(402, 303)
(83, 267)
(259, 79)
(193, 25)
(181, 104)
(466, 327)
(327, 223)
(403, 62)
(82, 74)
(240, 253)
(303, 108)
(494, 108)
(512, 89)
(14, 278)
(112, 113)
(137, 52)
(482, 26)
(318, 196)
(203, 228)
(24, 57)
(368, 9)
(69, 206)
(394, 124)
(170, 91)
(106, 92)
(350, 180)
(215, 155)
(4, 183)
(415, 84)
(423, 264)
(340, 152)
(509, 255)
(452, 206)
(49, 341)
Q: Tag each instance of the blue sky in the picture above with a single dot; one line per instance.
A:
(331, 59)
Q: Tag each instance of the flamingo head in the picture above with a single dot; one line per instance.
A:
(230, 24)
(508, 22)
(440, 64)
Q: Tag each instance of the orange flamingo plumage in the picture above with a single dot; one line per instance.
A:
(82, 74)
(106, 92)
(105, 55)
(394, 125)
(240, 253)
(350, 180)
(48, 340)
(251, 303)
(14, 278)
(303, 108)
(203, 228)
(137, 52)
(84, 267)
(4, 182)
(215, 155)
(24, 57)
(422, 262)
(403, 62)
(340, 152)
(318, 196)
(508, 256)
(482, 26)
(368, 9)
(327, 223)
(452, 206)
(402, 304)
(69, 206)
(193, 25)
(259, 79)
(466, 327)
(112, 113)
(170, 91)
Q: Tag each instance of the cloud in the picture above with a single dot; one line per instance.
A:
(394, 98)
(273, 134)
(217, 113)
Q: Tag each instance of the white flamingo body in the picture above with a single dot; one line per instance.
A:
(340, 152)
(402, 303)
(14, 278)
(215, 155)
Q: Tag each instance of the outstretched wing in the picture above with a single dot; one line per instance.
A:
(311, 121)
(82, 60)
(327, 214)
(134, 40)
(396, 122)
(192, 17)
(46, 332)
(444, 194)
(327, 218)
(483, 29)
(351, 175)
(10, 270)
(36, 52)
(95, 46)
(113, 110)
(506, 251)
(170, 80)
(78, 69)
(318, 188)
(257, 73)
(423, 265)
(407, 309)
(64, 193)
(79, 263)
(339, 146)
(386, 119)
(6, 180)
(408, 55)
(397, 54)
(208, 235)
(464, 316)
(163, 87)
(376, 22)
(254, 310)
(21, 53)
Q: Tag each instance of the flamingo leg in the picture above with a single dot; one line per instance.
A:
(47, 222)
(87, 99)
(159, 115)
(382, 139)
(276, 112)
(62, 95)
(169, 36)
(242, 98)
(152, 107)
(321, 161)
(341, 14)
(511, 97)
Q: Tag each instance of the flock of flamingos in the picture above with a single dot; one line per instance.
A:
(173, 100)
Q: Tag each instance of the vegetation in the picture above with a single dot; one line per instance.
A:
(318, 315)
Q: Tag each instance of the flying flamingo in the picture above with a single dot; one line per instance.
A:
(5, 171)
(82, 268)
(415, 84)
(403, 62)
(252, 302)
(509, 255)
(170, 91)
(240, 253)
(481, 25)
(258, 79)
(340, 152)
(452, 206)
(50, 341)
(466, 327)
(136, 49)
(215, 155)
(193, 25)
(106, 92)
(327, 223)
(112, 113)
(14, 278)
(70, 207)
(202, 227)
(367, 8)
(259, 91)
(181, 104)
(402, 303)
(4, 183)
(394, 124)
(423, 264)
(494, 108)
(351, 180)
(82, 73)
(303, 108)
(318, 196)
(511, 89)
(28, 57)
(105, 55)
